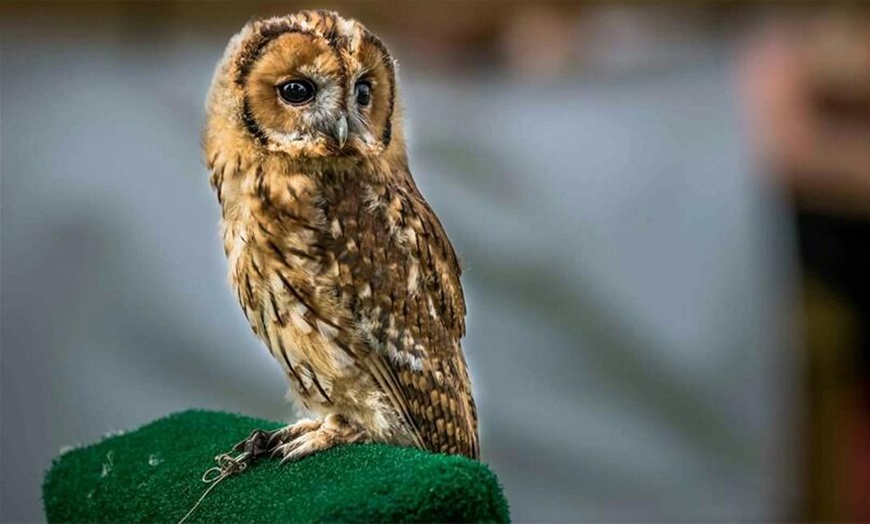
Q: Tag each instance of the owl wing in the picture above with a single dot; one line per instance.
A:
(399, 276)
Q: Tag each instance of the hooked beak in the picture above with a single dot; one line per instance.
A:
(341, 131)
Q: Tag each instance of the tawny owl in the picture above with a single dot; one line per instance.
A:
(340, 265)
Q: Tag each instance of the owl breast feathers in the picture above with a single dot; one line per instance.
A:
(338, 262)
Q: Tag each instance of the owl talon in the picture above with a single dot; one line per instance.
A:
(281, 450)
(288, 450)
(276, 438)
(279, 438)
(256, 445)
(322, 437)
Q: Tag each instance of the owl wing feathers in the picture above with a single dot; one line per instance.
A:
(399, 276)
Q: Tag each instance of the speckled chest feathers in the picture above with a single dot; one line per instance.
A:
(340, 265)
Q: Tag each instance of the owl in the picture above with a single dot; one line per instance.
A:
(341, 267)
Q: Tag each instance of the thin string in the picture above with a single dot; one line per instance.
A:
(227, 465)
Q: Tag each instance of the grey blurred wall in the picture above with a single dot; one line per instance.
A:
(626, 272)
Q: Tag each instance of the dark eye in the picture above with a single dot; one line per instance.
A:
(363, 92)
(296, 91)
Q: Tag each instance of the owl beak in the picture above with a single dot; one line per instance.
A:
(341, 131)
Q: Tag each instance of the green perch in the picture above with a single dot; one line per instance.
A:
(154, 474)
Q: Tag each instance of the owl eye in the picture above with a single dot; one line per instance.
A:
(296, 91)
(363, 91)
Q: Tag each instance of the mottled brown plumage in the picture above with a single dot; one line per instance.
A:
(340, 265)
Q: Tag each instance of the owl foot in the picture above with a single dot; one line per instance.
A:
(289, 433)
(310, 436)
(261, 442)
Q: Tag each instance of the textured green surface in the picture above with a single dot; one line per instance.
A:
(153, 474)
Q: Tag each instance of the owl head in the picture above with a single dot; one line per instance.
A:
(310, 86)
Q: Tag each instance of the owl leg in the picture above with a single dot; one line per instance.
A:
(295, 443)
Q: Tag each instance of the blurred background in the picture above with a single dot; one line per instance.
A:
(663, 213)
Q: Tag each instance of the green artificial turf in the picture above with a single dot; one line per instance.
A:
(154, 474)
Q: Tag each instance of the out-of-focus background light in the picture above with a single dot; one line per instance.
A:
(663, 213)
